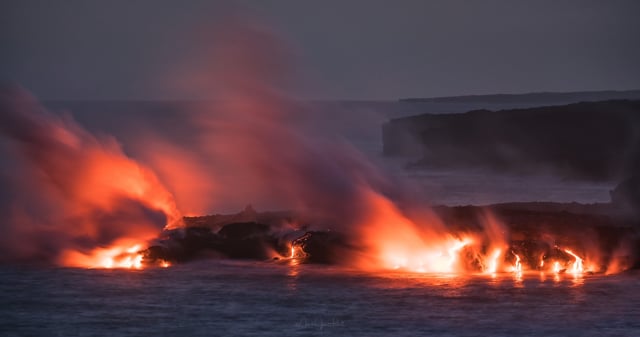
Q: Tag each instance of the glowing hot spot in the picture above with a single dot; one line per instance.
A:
(517, 267)
(122, 254)
(492, 265)
(576, 267)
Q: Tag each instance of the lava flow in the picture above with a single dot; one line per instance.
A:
(576, 267)
(77, 199)
(120, 255)
(517, 267)
(107, 213)
(395, 241)
(492, 265)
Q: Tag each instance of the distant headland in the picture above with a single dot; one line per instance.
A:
(533, 97)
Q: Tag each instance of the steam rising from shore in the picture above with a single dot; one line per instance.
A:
(71, 193)
(66, 189)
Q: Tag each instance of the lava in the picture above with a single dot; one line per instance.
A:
(123, 254)
(76, 196)
(492, 265)
(394, 241)
(517, 267)
(576, 267)
(83, 201)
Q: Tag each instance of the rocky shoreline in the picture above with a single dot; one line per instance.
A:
(533, 230)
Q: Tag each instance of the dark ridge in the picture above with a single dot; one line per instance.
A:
(588, 140)
(534, 97)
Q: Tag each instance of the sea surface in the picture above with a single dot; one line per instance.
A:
(226, 298)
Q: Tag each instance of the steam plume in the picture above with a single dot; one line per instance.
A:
(66, 189)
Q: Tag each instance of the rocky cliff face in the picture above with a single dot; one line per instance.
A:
(594, 140)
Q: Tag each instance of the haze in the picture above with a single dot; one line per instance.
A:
(357, 49)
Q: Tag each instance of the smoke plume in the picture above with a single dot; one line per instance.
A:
(66, 189)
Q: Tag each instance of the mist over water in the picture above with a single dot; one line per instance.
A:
(358, 124)
(245, 298)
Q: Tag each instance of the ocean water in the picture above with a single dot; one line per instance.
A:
(227, 298)
(483, 187)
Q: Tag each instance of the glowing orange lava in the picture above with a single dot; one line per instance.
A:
(576, 267)
(124, 254)
(396, 242)
(517, 267)
(440, 258)
(493, 261)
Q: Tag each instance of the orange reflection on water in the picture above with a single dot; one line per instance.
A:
(513, 279)
(578, 280)
(294, 266)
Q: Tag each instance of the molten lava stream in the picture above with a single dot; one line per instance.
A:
(576, 267)
(493, 260)
(517, 267)
(124, 254)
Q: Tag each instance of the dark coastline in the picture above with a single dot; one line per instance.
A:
(543, 98)
(588, 140)
(528, 226)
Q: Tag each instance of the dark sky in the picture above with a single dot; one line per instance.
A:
(346, 49)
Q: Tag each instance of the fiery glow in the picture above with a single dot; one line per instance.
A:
(399, 243)
(492, 265)
(296, 252)
(517, 267)
(79, 188)
(107, 176)
(441, 258)
(576, 267)
(85, 188)
(396, 242)
(124, 254)
(184, 173)
(455, 250)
